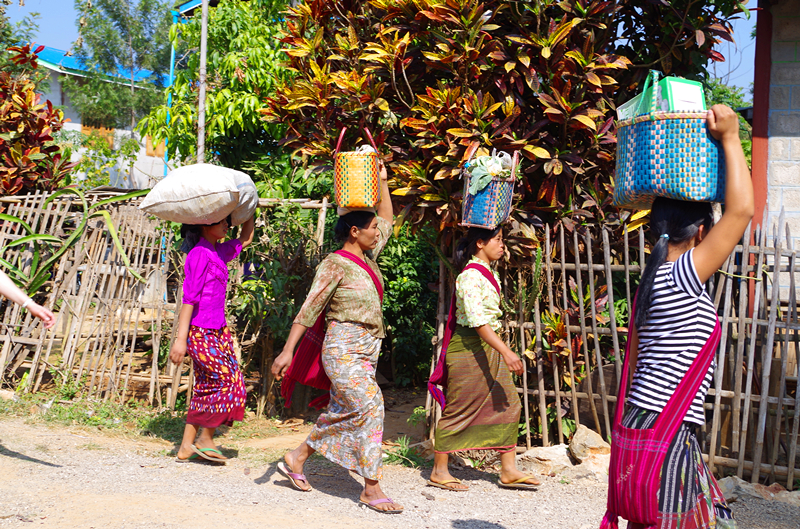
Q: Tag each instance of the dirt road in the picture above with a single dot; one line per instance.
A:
(80, 478)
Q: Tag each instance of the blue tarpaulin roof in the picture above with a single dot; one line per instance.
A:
(56, 59)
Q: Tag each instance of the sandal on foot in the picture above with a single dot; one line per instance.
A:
(520, 483)
(444, 484)
(201, 452)
(192, 457)
(374, 503)
(294, 478)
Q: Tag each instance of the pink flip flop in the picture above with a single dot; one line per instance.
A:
(294, 478)
(373, 505)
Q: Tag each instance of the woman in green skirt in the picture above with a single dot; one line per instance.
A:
(482, 406)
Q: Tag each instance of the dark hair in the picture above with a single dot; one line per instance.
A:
(359, 219)
(671, 222)
(192, 233)
(468, 244)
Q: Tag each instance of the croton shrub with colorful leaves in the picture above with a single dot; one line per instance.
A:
(29, 159)
(431, 78)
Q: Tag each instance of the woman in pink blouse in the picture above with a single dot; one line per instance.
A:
(218, 396)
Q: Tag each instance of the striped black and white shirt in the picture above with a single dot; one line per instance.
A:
(681, 319)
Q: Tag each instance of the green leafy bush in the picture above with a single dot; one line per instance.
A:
(409, 264)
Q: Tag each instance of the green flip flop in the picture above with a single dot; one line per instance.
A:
(201, 452)
(193, 457)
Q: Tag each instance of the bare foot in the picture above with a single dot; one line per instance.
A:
(370, 494)
(447, 481)
(513, 475)
(296, 467)
(184, 452)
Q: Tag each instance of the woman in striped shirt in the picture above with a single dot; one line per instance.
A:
(674, 318)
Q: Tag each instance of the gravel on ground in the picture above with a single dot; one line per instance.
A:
(80, 478)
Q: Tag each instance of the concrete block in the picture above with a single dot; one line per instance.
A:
(785, 73)
(779, 149)
(774, 194)
(796, 97)
(794, 149)
(784, 174)
(786, 27)
(784, 123)
(791, 199)
(784, 51)
(780, 97)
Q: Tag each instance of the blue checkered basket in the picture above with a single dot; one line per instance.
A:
(491, 206)
(667, 154)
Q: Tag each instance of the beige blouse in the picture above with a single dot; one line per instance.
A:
(347, 290)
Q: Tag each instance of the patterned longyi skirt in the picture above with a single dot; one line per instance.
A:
(218, 395)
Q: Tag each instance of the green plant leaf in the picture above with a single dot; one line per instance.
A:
(33, 238)
(12, 218)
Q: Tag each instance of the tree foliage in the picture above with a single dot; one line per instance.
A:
(119, 37)
(243, 68)
(432, 77)
(29, 159)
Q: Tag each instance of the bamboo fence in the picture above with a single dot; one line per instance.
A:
(110, 327)
(753, 406)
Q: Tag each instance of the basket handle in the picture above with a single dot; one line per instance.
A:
(651, 81)
(514, 164)
(339, 143)
(369, 137)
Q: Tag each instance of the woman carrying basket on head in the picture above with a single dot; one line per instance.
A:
(480, 405)
(349, 283)
(218, 396)
(658, 478)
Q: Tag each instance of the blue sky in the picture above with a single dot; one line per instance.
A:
(57, 28)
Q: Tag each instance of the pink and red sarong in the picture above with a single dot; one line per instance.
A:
(219, 394)
(657, 478)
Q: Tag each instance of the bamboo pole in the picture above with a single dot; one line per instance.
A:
(584, 340)
(598, 354)
(751, 352)
(742, 337)
(792, 315)
(555, 359)
(718, 372)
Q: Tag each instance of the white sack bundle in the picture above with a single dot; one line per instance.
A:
(202, 194)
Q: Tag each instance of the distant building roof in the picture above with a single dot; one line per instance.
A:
(58, 60)
(188, 7)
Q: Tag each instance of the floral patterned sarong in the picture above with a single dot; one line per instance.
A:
(219, 395)
(350, 432)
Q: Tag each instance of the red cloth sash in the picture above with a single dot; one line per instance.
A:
(439, 375)
(634, 475)
(306, 367)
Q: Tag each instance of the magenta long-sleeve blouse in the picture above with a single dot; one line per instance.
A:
(206, 281)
